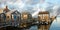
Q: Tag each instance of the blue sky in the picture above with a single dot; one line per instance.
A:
(54, 1)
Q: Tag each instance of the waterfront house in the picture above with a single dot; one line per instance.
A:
(44, 17)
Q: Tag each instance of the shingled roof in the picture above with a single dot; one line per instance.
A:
(44, 12)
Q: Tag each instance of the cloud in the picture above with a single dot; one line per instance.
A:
(57, 10)
(54, 10)
(32, 6)
(42, 1)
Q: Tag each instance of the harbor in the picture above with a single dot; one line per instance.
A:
(24, 20)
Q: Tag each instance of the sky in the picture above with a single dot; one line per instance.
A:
(33, 6)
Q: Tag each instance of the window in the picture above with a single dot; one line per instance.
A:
(2, 15)
(12, 16)
(40, 16)
(25, 16)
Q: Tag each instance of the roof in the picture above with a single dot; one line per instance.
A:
(1, 11)
(10, 11)
(44, 12)
(25, 13)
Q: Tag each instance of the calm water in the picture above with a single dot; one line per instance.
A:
(54, 26)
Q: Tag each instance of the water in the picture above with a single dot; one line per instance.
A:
(54, 26)
(33, 28)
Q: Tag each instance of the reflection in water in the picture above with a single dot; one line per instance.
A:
(44, 27)
(54, 26)
(34, 28)
(41, 27)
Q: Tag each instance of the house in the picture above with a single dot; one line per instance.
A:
(44, 17)
(3, 15)
(26, 19)
(12, 15)
(16, 15)
(25, 16)
(3, 12)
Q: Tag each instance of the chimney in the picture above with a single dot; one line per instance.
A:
(6, 9)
